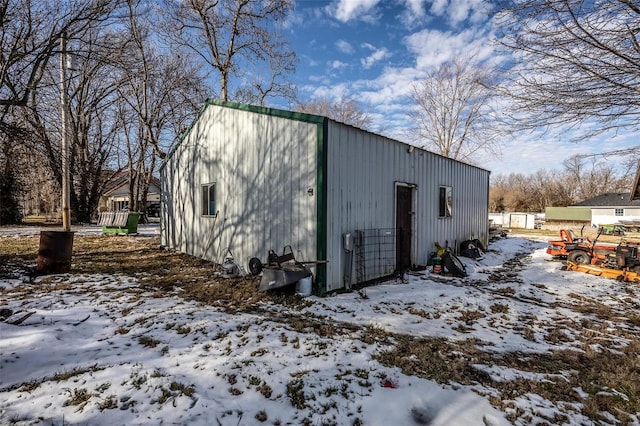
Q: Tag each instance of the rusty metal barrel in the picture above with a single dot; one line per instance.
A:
(54, 253)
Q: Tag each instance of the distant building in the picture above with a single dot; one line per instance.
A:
(116, 196)
(611, 208)
(515, 220)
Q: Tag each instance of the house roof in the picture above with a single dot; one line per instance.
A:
(121, 179)
(611, 199)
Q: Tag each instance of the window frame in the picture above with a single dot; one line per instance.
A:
(618, 211)
(207, 208)
(445, 202)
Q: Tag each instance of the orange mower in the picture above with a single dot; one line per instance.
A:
(619, 262)
(577, 249)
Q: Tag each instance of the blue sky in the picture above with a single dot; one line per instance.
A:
(372, 51)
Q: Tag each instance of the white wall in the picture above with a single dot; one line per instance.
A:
(263, 167)
(606, 215)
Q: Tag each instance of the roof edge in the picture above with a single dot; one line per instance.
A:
(275, 112)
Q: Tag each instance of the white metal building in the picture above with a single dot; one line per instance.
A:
(248, 179)
(514, 220)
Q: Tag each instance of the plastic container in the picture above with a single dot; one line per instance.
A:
(303, 287)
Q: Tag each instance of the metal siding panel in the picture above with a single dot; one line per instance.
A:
(259, 164)
(362, 170)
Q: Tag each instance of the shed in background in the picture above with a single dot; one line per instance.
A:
(514, 220)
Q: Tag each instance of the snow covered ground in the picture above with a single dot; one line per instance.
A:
(98, 349)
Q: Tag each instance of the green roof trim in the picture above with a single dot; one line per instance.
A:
(579, 214)
(274, 112)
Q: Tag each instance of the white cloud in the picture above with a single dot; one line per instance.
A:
(438, 7)
(332, 91)
(347, 10)
(368, 46)
(416, 7)
(432, 47)
(413, 14)
(393, 85)
(376, 56)
(344, 46)
(460, 10)
(336, 65)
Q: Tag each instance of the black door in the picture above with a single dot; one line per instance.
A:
(403, 227)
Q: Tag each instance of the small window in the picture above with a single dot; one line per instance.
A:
(445, 202)
(209, 199)
(619, 212)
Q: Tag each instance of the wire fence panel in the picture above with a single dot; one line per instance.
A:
(375, 253)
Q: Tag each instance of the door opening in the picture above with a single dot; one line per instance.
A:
(404, 231)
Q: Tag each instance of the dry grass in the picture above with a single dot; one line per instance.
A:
(610, 378)
(607, 369)
(155, 268)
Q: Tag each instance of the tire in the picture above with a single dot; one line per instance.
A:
(579, 257)
(255, 266)
(453, 265)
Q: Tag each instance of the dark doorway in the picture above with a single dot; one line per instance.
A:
(404, 201)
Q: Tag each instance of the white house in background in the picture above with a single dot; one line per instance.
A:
(249, 179)
(612, 208)
(116, 196)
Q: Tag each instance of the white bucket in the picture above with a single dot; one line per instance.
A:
(303, 287)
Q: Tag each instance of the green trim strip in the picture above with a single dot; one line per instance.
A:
(292, 115)
(321, 206)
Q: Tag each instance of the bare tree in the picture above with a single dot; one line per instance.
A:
(93, 133)
(29, 35)
(344, 110)
(581, 178)
(231, 36)
(577, 62)
(588, 178)
(160, 91)
(452, 115)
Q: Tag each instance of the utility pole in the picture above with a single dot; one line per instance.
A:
(66, 190)
(56, 247)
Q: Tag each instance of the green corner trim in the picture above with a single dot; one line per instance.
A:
(321, 206)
